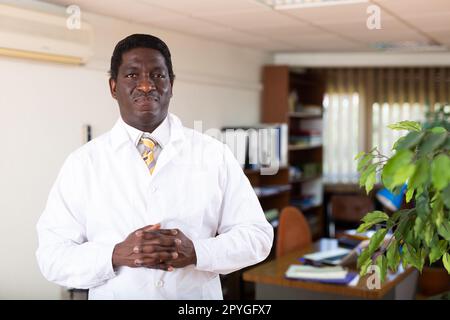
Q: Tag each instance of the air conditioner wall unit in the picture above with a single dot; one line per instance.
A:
(32, 34)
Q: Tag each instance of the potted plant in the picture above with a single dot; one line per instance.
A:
(421, 234)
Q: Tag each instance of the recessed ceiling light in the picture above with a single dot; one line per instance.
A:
(295, 4)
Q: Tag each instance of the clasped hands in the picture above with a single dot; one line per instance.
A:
(156, 248)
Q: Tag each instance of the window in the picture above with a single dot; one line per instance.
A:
(383, 115)
(341, 137)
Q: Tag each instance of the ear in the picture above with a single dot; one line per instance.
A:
(112, 87)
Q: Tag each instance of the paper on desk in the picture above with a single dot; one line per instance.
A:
(321, 255)
(310, 272)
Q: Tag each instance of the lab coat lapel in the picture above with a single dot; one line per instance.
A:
(173, 147)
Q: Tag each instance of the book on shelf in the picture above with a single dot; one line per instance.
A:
(309, 109)
(271, 190)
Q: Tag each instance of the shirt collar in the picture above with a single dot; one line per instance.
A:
(161, 134)
(122, 132)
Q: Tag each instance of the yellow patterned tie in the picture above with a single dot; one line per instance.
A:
(149, 153)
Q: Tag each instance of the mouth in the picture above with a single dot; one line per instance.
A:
(145, 100)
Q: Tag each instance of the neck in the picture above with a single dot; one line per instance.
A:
(148, 126)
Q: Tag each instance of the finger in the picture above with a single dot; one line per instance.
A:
(158, 239)
(146, 259)
(162, 256)
(168, 232)
(140, 232)
(153, 248)
(152, 227)
(163, 266)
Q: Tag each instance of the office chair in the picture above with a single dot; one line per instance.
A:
(293, 232)
(346, 212)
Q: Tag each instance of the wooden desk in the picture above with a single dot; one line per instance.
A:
(271, 284)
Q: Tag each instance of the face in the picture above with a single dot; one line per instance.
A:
(143, 88)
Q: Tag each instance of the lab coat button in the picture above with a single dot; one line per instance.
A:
(159, 283)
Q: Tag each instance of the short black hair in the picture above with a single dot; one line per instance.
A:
(140, 41)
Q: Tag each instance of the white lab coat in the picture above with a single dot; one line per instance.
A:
(104, 192)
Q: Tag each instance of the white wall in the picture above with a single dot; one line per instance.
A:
(44, 106)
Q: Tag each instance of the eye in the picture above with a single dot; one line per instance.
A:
(159, 76)
(131, 75)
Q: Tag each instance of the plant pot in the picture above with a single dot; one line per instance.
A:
(433, 281)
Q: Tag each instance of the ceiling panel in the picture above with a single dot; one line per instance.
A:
(441, 36)
(430, 22)
(188, 25)
(391, 30)
(254, 19)
(274, 31)
(404, 8)
(138, 12)
(331, 14)
(206, 7)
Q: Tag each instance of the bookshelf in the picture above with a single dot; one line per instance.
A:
(295, 97)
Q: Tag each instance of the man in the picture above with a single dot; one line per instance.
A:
(151, 209)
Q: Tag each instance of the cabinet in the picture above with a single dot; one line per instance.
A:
(295, 97)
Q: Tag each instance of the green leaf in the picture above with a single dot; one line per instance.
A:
(398, 169)
(414, 257)
(375, 217)
(371, 219)
(422, 205)
(363, 257)
(406, 125)
(382, 264)
(440, 171)
(402, 230)
(365, 161)
(376, 240)
(418, 226)
(393, 256)
(428, 233)
(364, 227)
(446, 145)
(409, 194)
(359, 155)
(371, 179)
(411, 140)
(437, 251)
(438, 130)
(444, 230)
(446, 261)
(401, 214)
(437, 209)
(430, 142)
(446, 196)
(365, 266)
(420, 175)
(365, 174)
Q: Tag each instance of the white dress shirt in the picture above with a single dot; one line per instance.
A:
(104, 192)
(161, 135)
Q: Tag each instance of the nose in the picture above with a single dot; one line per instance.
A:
(145, 84)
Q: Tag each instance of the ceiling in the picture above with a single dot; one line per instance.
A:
(249, 23)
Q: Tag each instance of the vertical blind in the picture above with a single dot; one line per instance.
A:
(361, 102)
